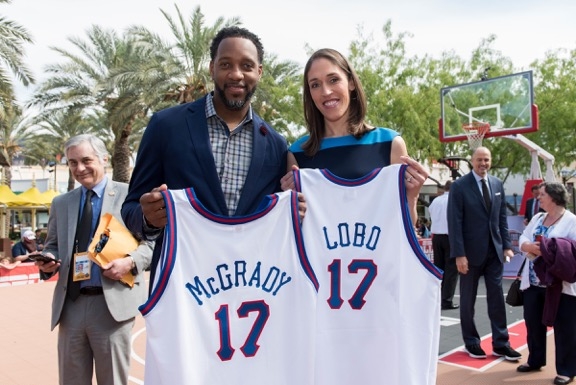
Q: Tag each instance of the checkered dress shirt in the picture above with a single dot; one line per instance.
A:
(232, 152)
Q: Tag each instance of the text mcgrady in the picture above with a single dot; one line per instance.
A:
(238, 274)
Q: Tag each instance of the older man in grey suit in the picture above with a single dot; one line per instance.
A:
(479, 241)
(96, 314)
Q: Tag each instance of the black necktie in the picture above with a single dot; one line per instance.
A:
(536, 208)
(81, 242)
(486, 194)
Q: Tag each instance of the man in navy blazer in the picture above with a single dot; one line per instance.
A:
(217, 145)
(480, 242)
(531, 209)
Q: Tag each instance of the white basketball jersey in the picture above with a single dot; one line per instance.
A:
(234, 298)
(379, 299)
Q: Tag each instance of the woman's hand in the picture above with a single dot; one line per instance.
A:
(287, 181)
(414, 177)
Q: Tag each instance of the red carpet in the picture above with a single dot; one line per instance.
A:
(459, 357)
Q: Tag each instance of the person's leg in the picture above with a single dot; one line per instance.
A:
(110, 341)
(450, 279)
(565, 336)
(493, 272)
(468, 292)
(536, 330)
(437, 250)
(74, 353)
(439, 261)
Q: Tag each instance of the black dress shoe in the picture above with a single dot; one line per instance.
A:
(563, 381)
(451, 306)
(525, 368)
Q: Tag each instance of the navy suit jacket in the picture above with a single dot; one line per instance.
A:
(528, 214)
(176, 150)
(471, 226)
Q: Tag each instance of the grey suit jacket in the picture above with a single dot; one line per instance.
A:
(122, 300)
(471, 226)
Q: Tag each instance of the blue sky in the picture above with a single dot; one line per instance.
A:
(525, 30)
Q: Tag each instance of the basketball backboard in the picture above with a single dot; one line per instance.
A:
(505, 103)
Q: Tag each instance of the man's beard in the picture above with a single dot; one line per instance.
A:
(234, 105)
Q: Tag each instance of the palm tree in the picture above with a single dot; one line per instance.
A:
(83, 82)
(53, 129)
(15, 130)
(12, 39)
(278, 97)
(179, 70)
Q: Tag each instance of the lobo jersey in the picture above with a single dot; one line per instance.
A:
(379, 299)
(234, 298)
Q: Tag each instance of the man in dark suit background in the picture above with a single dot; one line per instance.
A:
(532, 205)
(479, 241)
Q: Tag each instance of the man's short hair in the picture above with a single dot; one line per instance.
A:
(236, 31)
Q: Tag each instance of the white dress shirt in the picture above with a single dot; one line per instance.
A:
(438, 214)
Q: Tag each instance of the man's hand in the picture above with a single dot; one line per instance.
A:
(153, 207)
(117, 268)
(48, 267)
(462, 264)
(301, 206)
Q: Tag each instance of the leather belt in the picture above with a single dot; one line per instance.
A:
(91, 290)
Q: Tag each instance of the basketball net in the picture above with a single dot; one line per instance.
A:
(475, 132)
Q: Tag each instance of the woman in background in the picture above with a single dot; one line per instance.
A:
(556, 222)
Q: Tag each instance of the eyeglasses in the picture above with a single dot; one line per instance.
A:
(101, 243)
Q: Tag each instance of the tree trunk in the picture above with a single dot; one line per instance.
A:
(7, 171)
(121, 156)
(71, 181)
(7, 179)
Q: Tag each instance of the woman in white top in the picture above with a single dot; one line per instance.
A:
(556, 222)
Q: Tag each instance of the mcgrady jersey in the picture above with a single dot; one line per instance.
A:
(234, 298)
(378, 304)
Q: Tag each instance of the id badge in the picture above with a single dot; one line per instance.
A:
(82, 266)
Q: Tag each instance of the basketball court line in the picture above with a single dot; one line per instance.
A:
(134, 354)
(459, 357)
(137, 352)
(449, 321)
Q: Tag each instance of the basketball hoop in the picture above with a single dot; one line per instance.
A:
(475, 132)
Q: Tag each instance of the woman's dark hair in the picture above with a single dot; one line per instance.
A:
(557, 192)
(313, 116)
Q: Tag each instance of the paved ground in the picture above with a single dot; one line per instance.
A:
(28, 347)
(451, 336)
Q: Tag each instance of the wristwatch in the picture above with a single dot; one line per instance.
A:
(134, 269)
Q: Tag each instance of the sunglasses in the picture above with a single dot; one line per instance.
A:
(101, 243)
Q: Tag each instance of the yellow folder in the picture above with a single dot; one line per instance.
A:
(111, 241)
